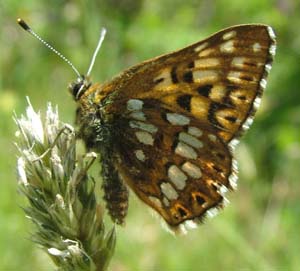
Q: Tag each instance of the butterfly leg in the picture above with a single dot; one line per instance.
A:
(66, 128)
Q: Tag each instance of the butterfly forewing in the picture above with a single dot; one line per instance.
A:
(219, 80)
(176, 119)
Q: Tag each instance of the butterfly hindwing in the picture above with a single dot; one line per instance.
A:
(173, 162)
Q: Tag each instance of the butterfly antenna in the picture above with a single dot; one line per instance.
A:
(26, 27)
(101, 38)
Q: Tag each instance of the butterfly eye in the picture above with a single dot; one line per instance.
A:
(74, 88)
(78, 88)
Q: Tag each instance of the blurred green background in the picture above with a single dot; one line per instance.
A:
(260, 229)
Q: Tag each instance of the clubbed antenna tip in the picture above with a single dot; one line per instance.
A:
(26, 27)
(23, 24)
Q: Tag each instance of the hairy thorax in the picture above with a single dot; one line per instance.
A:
(93, 121)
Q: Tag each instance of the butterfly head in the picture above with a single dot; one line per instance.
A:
(79, 87)
(83, 83)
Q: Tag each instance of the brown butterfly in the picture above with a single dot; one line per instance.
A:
(167, 127)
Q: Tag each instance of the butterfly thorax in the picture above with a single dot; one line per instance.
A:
(94, 123)
(99, 130)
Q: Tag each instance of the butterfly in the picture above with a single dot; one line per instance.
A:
(167, 127)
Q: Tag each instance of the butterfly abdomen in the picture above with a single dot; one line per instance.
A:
(115, 192)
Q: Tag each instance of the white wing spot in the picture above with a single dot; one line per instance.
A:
(134, 105)
(272, 49)
(201, 47)
(247, 123)
(268, 67)
(263, 83)
(229, 35)
(185, 151)
(212, 212)
(222, 190)
(207, 75)
(234, 165)
(212, 138)
(144, 137)
(177, 119)
(190, 224)
(190, 140)
(143, 126)
(238, 61)
(257, 102)
(256, 47)
(195, 131)
(140, 155)
(192, 170)
(233, 143)
(234, 76)
(233, 180)
(138, 115)
(206, 62)
(177, 177)
(206, 52)
(168, 190)
(227, 47)
(271, 33)
(166, 202)
(155, 201)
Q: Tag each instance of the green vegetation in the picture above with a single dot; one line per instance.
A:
(259, 230)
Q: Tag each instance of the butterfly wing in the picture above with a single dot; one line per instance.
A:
(178, 117)
(219, 80)
(174, 163)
